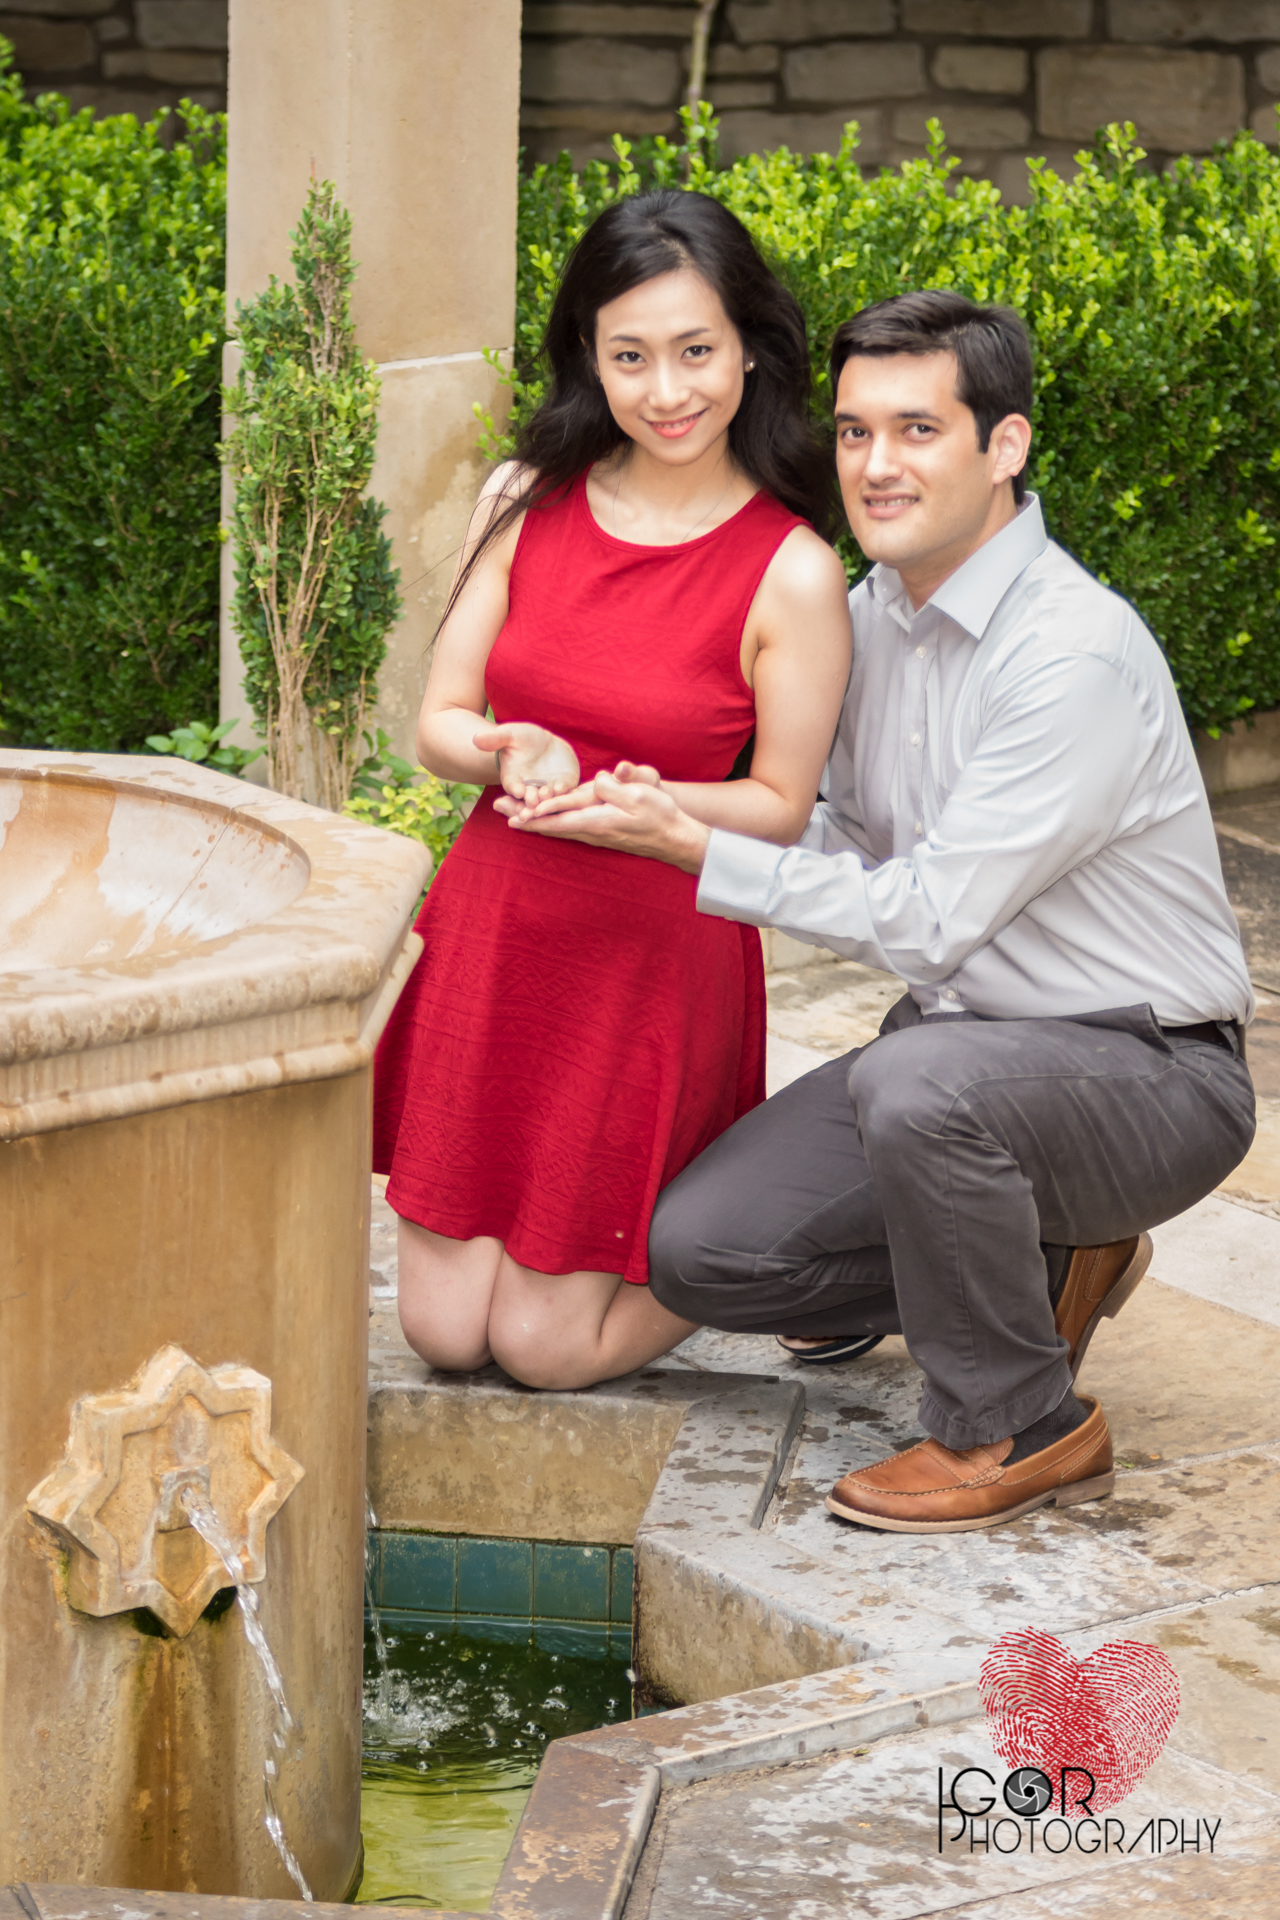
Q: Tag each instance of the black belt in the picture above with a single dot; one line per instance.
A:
(1214, 1031)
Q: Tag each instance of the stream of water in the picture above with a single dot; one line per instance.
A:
(455, 1726)
(209, 1527)
(372, 1611)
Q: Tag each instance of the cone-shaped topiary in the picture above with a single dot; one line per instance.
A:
(316, 592)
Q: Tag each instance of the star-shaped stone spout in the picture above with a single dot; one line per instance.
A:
(116, 1500)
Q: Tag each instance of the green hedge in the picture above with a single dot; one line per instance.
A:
(1154, 301)
(111, 325)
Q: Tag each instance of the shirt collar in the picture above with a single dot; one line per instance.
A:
(971, 594)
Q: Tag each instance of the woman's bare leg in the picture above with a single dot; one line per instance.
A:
(445, 1292)
(566, 1330)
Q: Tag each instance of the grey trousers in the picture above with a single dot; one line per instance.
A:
(929, 1184)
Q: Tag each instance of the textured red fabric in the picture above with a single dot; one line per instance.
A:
(575, 1032)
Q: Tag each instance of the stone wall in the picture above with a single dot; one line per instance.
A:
(121, 56)
(1007, 78)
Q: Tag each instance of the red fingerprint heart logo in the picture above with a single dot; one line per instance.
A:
(1110, 1714)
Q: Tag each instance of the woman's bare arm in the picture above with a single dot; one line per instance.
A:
(455, 741)
(799, 642)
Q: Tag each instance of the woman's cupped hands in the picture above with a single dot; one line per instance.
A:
(625, 809)
(587, 796)
(533, 765)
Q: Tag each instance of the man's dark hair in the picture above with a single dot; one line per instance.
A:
(991, 346)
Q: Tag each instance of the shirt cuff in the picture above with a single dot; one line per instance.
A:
(738, 876)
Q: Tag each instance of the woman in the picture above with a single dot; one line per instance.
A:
(644, 580)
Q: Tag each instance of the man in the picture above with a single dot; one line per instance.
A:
(1014, 824)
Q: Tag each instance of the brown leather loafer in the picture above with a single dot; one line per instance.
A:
(929, 1489)
(1099, 1281)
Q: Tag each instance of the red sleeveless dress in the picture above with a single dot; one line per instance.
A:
(575, 1031)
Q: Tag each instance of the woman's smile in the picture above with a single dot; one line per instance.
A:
(676, 429)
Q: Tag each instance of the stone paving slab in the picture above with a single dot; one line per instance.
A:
(479, 1454)
(1196, 1514)
(831, 1008)
(1227, 1657)
(820, 1797)
(857, 1834)
(1224, 1251)
(1257, 1178)
(1242, 1888)
(1149, 1545)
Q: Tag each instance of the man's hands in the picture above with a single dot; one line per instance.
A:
(626, 810)
(533, 764)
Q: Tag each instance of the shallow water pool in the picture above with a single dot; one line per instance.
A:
(454, 1732)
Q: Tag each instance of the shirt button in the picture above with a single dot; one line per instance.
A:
(915, 739)
(919, 829)
(919, 653)
(951, 994)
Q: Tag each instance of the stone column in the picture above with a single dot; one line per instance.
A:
(411, 108)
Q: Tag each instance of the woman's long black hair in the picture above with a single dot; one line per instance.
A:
(772, 437)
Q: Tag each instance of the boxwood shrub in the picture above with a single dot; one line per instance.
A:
(1154, 302)
(111, 301)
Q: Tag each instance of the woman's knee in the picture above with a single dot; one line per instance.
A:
(447, 1349)
(543, 1357)
(445, 1340)
(443, 1297)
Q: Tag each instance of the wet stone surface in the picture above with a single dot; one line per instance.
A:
(858, 1835)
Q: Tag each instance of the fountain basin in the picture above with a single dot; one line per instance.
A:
(99, 870)
(193, 974)
(168, 933)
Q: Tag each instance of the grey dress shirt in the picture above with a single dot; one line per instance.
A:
(1013, 821)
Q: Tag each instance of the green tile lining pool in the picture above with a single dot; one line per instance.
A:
(495, 1647)
(436, 1578)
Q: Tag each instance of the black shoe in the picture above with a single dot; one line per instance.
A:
(844, 1346)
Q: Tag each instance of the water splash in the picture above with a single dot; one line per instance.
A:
(210, 1528)
(371, 1603)
(400, 1714)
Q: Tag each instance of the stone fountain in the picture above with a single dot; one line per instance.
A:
(193, 974)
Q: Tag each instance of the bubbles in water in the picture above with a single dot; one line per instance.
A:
(450, 1700)
(399, 1713)
(452, 1745)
